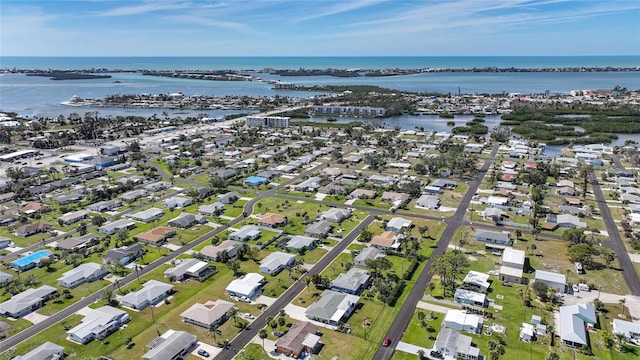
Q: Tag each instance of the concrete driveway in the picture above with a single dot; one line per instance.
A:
(35, 318)
(212, 350)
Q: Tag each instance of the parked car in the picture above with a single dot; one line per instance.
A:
(575, 288)
(249, 316)
(386, 342)
(202, 352)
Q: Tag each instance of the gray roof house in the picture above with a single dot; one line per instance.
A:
(115, 226)
(335, 215)
(310, 185)
(26, 301)
(332, 308)
(212, 209)
(170, 345)
(276, 262)
(186, 220)
(318, 228)
(86, 272)
(5, 278)
(351, 282)
(428, 202)
(75, 243)
(152, 292)
(46, 351)
(212, 252)
(630, 330)
(98, 324)
(134, 195)
(553, 280)
(494, 237)
(147, 216)
(103, 206)
(368, 253)
(452, 343)
(246, 287)
(296, 243)
(229, 198)
(397, 224)
(124, 254)
(574, 320)
(177, 202)
(247, 232)
(67, 198)
(207, 314)
(157, 186)
(190, 268)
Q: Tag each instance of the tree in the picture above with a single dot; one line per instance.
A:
(552, 356)
(263, 335)
(122, 235)
(82, 228)
(574, 236)
(234, 265)
(108, 296)
(431, 286)
(448, 267)
(500, 133)
(46, 262)
(583, 253)
(98, 220)
(233, 313)
(214, 330)
(622, 302)
(365, 235)
(541, 290)
(217, 182)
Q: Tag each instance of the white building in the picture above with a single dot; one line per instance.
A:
(463, 321)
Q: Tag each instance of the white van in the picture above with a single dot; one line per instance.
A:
(583, 287)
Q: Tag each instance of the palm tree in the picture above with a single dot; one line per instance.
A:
(263, 335)
(214, 330)
(622, 302)
(233, 313)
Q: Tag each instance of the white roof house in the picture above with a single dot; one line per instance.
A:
(553, 280)
(26, 301)
(477, 280)
(46, 351)
(397, 224)
(98, 323)
(463, 321)
(332, 307)
(513, 258)
(151, 293)
(170, 345)
(335, 215)
(245, 233)
(453, 344)
(629, 329)
(246, 287)
(83, 273)
(189, 268)
(301, 242)
(276, 262)
(574, 319)
(368, 253)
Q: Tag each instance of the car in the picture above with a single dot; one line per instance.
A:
(249, 316)
(436, 355)
(386, 342)
(575, 288)
(202, 352)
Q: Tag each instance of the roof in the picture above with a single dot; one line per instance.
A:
(74, 242)
(185, 266)
(352, 279)
(295, 337)
(95, 320)
(246, 284)
(385, 239)
(513, 256)
(572, 324)
(272, 219)
(319, 227)
(277, 259)
(550, 276)
(299, 242)
(209, 312)
(118, 224)
(26, 299)
(184, 219)
(332, 305)
(453, 340)
(462, 317)
(158, 234)
(121, 252)
(368, 253)
(335, 214)
(170, 345)
(150, 290)
(147, 214)
(212, 251)
(477, 278)
(399, 223)
(83, 271)
(625, 328)
(45, 351)
(245, 232)
(73, 215)
(470, 295)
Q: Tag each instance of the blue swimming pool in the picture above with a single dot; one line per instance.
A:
(29, 261)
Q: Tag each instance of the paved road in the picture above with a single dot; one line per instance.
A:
(453, 223)
(245, 337)
(615, 242)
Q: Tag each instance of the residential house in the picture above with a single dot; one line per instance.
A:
(190, 269)
(352, 282)
(575, 210)
(224, 173)
(397, 224)
(494, 237)
(73, 217)
(332, 308)
(527, 332)
(628, 329)
(569, 221)
(155, 236)
(46, 351)
(272, 220)
(67, 199)
(444, 184)
(362, 194)
(395, 198)
(212, 252)
(477, 281)
(115, 226)
(453, 345)
(134, 195)
(204, 193)
(246, 288)
(276, 262)
(103, 206)
(158, 186)
(428, 202)
(318, 228)
(98, 324)
(8, 219)
(255, 181)
(123, 255)
(86, 272)
(147, 216)
(27, 301)
(34, 208)
(177, 202)
(245, 233)
(214, 209)
(309, 185)
(170, 345)
(298, 243)
(152, 292)
(335, 215)
(368, 253)
(5, 242)
(31, 260)
(302, 338)
(512, 266)
(5, 278)
(32, 229)
(574, 322)
(385, 241)
(186, 220)
(492, 214)
(468, 297)
(7, 197)
(552, 280)
(462, 320)
(229, 198)
(207, 314)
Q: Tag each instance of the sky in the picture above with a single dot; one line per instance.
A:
(319, 28)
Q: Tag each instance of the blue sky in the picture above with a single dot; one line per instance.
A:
(319, 28)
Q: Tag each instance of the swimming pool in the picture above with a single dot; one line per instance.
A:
(30, 260)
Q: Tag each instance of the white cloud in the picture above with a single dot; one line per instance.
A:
(146, 7)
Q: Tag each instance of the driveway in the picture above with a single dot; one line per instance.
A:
(411, 349)
(212, 350)
(35, 318)
(433, 307)
(262, 299)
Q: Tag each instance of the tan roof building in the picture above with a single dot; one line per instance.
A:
(273, 220)
(34, 208)
(300, 338)
(207, 314)
(156, 236)
(384, 241)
